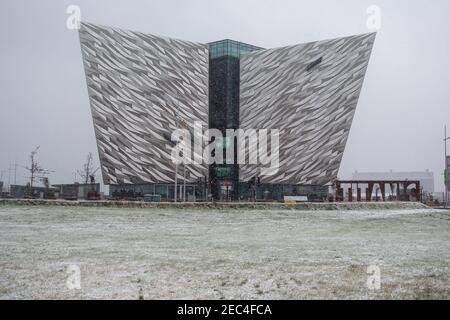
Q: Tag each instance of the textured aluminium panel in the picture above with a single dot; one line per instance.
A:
(141, 87)
(309, 92)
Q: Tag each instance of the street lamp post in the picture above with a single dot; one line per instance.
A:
(184, 182)
(446, 168)
(177, 119)
(9, 177)
(176, 180)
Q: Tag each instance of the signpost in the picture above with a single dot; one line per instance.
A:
(295, 199)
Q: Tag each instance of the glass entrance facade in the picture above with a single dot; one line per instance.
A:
(224, 78)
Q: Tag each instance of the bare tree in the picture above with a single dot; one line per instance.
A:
(35, 169)
(88, 172)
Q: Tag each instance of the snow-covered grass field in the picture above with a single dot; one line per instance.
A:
(231, 254)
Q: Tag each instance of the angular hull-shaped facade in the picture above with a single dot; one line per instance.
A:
(309, 92)
(141, 88)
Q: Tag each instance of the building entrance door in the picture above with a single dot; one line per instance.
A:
(225, 190)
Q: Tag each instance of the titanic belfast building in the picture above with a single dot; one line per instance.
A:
(143, 87)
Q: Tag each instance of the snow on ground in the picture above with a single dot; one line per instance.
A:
(231, 254)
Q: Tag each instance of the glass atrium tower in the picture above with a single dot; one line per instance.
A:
(224, 80)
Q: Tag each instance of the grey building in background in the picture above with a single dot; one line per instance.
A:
(19, 192)
(426, 178)
(77, 191)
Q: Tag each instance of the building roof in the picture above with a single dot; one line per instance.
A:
(228, 47)
(394, 175)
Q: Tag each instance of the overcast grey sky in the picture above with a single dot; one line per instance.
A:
(398, 125)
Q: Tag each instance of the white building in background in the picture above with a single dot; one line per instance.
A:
(426, 178)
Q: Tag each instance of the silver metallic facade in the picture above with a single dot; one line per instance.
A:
(309, 92)
(141, 88)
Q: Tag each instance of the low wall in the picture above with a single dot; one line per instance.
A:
(220, 205)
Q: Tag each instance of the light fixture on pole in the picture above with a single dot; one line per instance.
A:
(447, 164)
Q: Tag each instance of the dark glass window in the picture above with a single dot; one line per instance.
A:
(313, 64)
